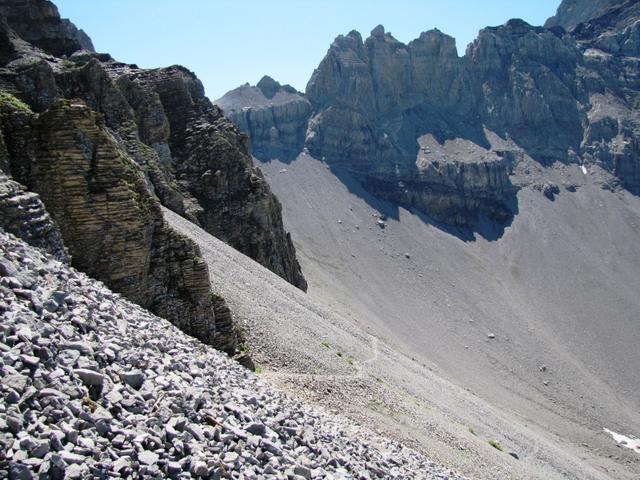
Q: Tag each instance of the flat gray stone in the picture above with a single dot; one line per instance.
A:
(72, 458)
(30, 360)
(133, 378)
(90, 377)
(147, 457)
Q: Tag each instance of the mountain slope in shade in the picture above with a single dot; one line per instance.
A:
(541, 323)
(394, 329)
(572, 12)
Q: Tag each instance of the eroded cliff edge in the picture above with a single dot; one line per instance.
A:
(194, 159)
(97, 146)
(457, 136)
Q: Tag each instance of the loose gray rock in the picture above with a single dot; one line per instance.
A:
(133, 378)
(90, 377)
(163, 404)
(148, 458)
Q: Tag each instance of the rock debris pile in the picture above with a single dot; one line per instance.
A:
(95, 386)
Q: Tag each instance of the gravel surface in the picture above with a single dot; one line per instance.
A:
(94, 386)
(557, 292)
(327, 354)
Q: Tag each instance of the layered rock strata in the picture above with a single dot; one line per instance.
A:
(224, 193)
(89, 183)
(111, 224)
(519, 92)
(22, 213)
(274, 116)
(102, 143)
(194, 160)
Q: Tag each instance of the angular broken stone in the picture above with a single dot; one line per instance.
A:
(15, 381)
(133, 378)
(200, 469)
(148, 457)
(90, 377)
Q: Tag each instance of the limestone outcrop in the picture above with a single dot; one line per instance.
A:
(274, 116)
(373, 102)
(519, 93)
(110, 222)
(22, 213)
(224, 193)
(97, 146)
(193, 159)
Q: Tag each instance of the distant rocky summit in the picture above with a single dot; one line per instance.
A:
(274, 116)
(572, 12)
(425, 128)
(39, 24)
(90, 148)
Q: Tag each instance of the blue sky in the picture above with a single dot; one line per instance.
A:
(231, 42)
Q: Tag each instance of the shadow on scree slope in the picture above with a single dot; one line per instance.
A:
(459, 210)
(479, 225)
(482, 225)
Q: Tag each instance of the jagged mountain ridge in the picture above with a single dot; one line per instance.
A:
(423, 127)
(539, 317)
(572, 12)
(275, 117)
(102, 144)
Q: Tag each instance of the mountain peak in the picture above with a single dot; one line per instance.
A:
(572, 12)
(39, 23)
(268, 86)
(378, 31)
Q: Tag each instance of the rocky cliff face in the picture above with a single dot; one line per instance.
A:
(274, 116)
(23, 214)
(194, 159)
(572, 12)
(39, 23)
(111, 224)
(101, 144)
(373, 100)
(520, 93)
(610, 45)
(224, 193)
